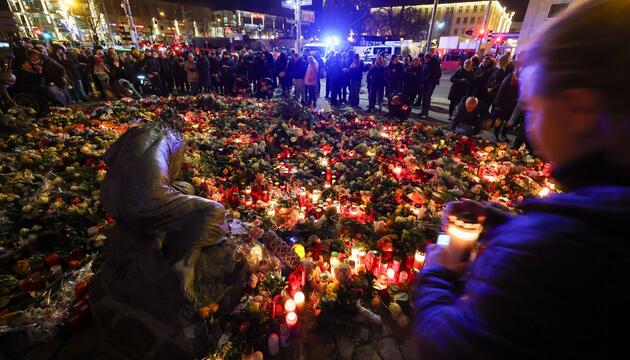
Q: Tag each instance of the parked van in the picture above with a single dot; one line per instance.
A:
(371, 51)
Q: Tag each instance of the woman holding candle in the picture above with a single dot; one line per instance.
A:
(549, 282)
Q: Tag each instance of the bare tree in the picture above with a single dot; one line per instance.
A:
(398, 21)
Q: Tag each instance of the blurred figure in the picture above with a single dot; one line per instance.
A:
(393, 76)
(527, 295)
(461, 86)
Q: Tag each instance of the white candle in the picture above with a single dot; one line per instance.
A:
(418, 260)
(289, 306)
(291, 318)
(299, 300)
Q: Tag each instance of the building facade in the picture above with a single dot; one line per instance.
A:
(457, 18)
(539, 12)
(84, 21)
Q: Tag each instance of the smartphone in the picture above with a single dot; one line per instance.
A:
(443, 239)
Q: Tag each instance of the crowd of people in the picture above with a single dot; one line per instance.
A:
(70, 75)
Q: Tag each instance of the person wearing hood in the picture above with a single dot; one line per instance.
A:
(550, 281)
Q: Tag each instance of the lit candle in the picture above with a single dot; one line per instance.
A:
(299, 300)
(334, 260)
(273, 343)
(289, 306)
(403, 277)
(397, 170)
(291, 319)
(248, 190)
(391, 275)
(362, 256)
(271, 212)
(323, 162)
(418, 260)
(249, 201)
(315, 196)
(396, 264)
(301, 214)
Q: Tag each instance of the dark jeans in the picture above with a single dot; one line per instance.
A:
(427, 93)
(355, 88)
(328, 86)
(335, 93)
(78, 93)
(376, 95)
(311, 95)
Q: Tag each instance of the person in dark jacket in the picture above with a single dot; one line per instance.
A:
(227, 74)
(260, 67)
(167, 68)
(481, 77)
(328, 63)
(73, 68)
(394, 76)
(355, 74)
(151, 67)
(56, 79)
(431, 74)
(470, 116)
(503, 69)
(504, 104)
(461, 86)
(280, 69)
(203, 69)
(180, 75)
(376, 83)
(336, 79)
(412, 80)
(297, 69)
(549, 283)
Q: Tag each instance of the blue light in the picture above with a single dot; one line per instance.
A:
(331, 41)
(47, 36)
(293, 239)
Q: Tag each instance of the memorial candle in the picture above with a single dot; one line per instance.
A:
(315, 196)
(291, 319)
(396, 264)
(299, 300)
(418, 260)
(403, 277)
(289, 305)
(391, 276)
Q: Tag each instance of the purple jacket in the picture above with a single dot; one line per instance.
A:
(549, 285)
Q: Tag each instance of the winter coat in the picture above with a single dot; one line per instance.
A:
(480, 81)
(473, 119)
(355, 73)
(431, 73)
(462, 84)
(494, 82)
(297, 68)
(412, 80)
(191, 71)
(376, 76)
(549, 284)
(203, 68)
(394, 75)
(506, 99)
(260, 69)
(311, 77)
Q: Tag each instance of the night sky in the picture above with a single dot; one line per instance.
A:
(273, 6)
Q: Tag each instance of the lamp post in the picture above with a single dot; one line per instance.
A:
(433, 15)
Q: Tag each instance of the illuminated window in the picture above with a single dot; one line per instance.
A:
(483, 7)
(472, 20)
(461, 8)
(465, 20)
(475, 8)
(458, 20)
(467, 8)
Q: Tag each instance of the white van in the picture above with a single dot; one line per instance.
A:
(371, 51)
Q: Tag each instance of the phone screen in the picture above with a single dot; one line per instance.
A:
(443, 239)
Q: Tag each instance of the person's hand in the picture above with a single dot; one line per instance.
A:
(453, 258)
